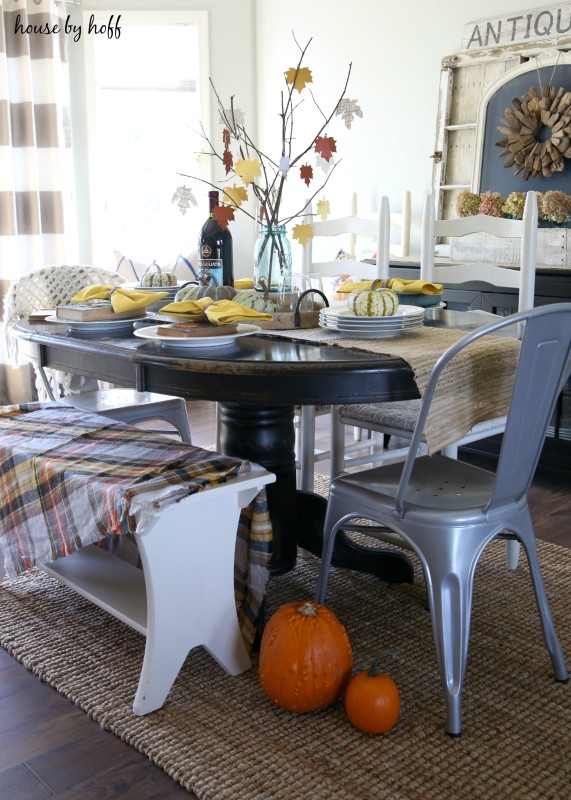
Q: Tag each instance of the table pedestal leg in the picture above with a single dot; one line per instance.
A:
(265, 435)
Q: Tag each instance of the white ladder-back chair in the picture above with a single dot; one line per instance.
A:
(447, 511)
(53, 285)
(398, 419)
(374, 228)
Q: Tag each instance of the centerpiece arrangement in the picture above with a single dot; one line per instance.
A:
(259, 177)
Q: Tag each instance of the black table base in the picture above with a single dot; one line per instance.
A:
(265, 435)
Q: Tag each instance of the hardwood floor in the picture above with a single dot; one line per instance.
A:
(50, 749)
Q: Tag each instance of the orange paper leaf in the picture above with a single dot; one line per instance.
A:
(228, 161)
(298, 77)
(248, 169)
(303, 233)
(306, 173)
(325, 146)
(223, 215)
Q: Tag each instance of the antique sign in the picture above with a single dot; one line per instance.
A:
(545, 23)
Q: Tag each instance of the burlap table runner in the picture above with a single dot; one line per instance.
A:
(476, 385)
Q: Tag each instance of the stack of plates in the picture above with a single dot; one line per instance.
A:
(344, 321)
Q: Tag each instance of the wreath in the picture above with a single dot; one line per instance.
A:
(537, 132)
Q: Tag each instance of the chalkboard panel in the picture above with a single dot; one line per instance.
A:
(494, 176)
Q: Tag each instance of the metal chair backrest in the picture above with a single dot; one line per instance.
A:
(525, 229)
(544, 365)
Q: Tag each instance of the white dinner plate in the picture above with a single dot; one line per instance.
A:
(402, 312)
(99, 325)
(387, 333)
(186, 343)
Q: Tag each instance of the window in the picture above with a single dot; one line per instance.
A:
(144, 128)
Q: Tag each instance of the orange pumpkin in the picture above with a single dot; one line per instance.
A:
(305, 657)
(372, 701)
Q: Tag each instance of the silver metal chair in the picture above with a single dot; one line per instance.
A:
(447, 511)
(53, 285)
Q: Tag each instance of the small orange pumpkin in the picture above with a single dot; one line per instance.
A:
(305, 657)
(372, 701)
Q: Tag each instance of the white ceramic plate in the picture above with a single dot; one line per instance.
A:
(186, 343)
(402, 312)
(370, 322)
(387, 333)
(99, 325)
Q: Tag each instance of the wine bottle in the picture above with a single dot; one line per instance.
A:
(215, 259)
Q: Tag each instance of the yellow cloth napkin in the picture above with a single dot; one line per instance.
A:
(244, 283)
(396, 284)
(121, 299)
(223, 311)
(193, 309)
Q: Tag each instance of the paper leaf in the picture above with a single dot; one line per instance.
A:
(226, 138)
(233, 117)
(235, 195)
(323, 164)
(248, 169)
(323, 209)
(325, 146)
(228, 161)
(203, 162)
(284, 165)
(306, 173)
(184, 198)
(349, 109)
(303, 233)
(223, 215)
(298, 77)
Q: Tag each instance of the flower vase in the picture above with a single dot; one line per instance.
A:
(272, 259)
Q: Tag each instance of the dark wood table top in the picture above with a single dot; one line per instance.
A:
(259, 369)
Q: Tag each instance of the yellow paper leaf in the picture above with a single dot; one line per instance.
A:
(248, 169)
(298, 77)
(323, 209)
(303, 233)
(235, 195)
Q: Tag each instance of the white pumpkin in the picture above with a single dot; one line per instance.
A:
(256, 300)
(373, 302)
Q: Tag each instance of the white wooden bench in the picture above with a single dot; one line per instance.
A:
(184, 595)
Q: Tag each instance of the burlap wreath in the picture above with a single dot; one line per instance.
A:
(538, 131)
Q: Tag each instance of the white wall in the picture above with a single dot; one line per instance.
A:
(396, 51)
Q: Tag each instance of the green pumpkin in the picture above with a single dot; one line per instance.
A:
(373, 302)
(155, 276)
(186, 293)
(256, 300)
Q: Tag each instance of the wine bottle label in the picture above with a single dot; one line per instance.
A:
(210, 271)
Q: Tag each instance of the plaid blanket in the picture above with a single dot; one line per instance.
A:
(69, 479)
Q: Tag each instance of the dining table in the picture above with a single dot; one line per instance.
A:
(258, 381)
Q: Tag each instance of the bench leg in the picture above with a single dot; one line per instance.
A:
(190, 595)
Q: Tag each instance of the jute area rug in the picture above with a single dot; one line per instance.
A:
(222, 738)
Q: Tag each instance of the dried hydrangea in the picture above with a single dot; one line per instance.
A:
(514, 205)
(491, 203)
(555, 207)
(467, 203)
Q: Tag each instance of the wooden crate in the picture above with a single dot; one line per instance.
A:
(553, 248)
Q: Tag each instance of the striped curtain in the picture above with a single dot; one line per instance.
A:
(36, 177)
